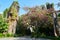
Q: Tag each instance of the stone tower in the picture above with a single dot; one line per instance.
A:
(12, 17)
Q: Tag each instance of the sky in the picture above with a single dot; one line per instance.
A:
(25, 3)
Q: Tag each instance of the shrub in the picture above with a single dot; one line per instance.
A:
(3, 25)
(40, 19)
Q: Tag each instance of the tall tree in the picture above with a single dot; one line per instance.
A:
(39, 18)
(50, 8)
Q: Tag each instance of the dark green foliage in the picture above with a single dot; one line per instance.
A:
(42, 21)
(5, 13)
(59, 15)
(3, 25)
(42, 29)
(6, 35)
(48, 5)
(20, 29)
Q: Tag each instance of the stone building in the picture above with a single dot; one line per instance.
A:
(12, 17)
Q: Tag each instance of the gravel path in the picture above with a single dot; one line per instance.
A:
(23, 38)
